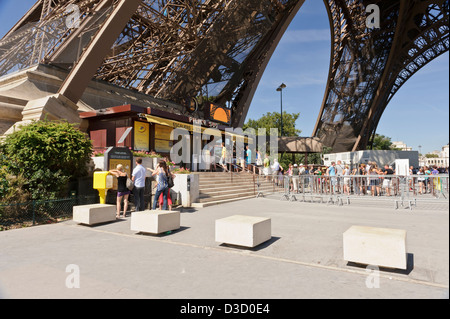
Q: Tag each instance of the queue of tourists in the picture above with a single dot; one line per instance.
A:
(135, 184)
(365, 179)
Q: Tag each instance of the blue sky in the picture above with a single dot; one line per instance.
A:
(418, 114)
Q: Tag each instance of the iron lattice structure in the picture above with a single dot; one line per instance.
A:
(369, 66)
(218, 49)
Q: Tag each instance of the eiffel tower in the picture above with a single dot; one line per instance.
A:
(179, 50)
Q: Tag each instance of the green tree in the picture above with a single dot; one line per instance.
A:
(382, 143)
(47, 155)
(273, 120)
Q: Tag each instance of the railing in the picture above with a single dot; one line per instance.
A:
(401, 190)
(40, 211)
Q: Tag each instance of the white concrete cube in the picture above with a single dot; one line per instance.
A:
(155, 222)
(94, 214)
(376, 247)
(243, 231)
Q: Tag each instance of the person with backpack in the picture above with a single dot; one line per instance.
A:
(170, 184)
(162, 187)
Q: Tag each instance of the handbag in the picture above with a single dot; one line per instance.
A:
(130, 184)
(170, 182)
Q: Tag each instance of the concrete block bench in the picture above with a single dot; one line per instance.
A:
(94, 214)
(155, 222)
(243, 231)
(376, 246)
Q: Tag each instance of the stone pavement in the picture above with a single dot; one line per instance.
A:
(304, 258)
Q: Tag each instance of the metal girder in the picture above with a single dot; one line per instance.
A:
(80, 76)
(369, 66)
(218, 49)
(174, 50)
(424, 36)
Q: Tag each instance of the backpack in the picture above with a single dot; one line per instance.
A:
(170, 182)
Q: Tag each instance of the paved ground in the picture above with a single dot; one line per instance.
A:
(304, 259)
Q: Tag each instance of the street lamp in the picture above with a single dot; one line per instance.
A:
(280, 89)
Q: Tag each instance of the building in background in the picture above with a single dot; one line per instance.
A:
(401, 146)
(441, 158)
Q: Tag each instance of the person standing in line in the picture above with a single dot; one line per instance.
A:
(295, 176)
(241, 152)
(339, 174)
(421, 181)
(161, 197)
(169, 198)
(259, 163)
(234, 161)
(267, 167)
(355, 181)
(331, 171)
(281, 174)
(318, 180)
(304, 180)
(347, 180)
(248, 157)
(435, 181)
(427, 181)
(122, 191)
(412, 172)
(162, 188)
(223, 158)
(275, 171)
(374, 183)
(289, 176)
(138, 177)
(301, 169)
(387, 182)
(363, 181)
(435, 170)
(310, 179)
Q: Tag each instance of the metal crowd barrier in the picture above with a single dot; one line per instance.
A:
(402, 191)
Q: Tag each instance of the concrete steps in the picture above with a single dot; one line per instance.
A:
(220, 188)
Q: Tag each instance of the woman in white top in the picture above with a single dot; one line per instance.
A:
(275, 170)
(347, 172)
(421, 180)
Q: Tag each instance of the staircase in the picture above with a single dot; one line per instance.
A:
(220, 188)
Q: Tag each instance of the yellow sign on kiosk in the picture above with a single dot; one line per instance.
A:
(102, 182)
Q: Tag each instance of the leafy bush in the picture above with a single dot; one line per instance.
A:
(47, 155)
(4, 184)
(181, 171)
(145, 154)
